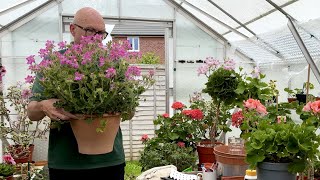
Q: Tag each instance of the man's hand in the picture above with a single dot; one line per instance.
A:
(47, 107)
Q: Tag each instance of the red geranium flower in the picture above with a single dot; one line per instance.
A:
(177, 105)
(237, 118)
(181, 144)
(165, 115)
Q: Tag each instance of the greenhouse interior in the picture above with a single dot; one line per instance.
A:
(160, 89)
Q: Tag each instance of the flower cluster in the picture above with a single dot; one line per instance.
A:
(8, 159)
(212, 64)
(313, 107)
(90, 77)
(182, 128)
(248, 117)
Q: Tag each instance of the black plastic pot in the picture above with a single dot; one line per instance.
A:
(302, 98)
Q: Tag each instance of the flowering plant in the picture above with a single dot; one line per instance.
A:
(183, 127)
(7, 168)
(229, 88)
(253, 111)
(312, 111)
(276, 139)
(20, 130)
(91, 78)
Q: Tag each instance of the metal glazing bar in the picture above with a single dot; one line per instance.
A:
(15, 6)
(273, 50)
(304, 49)
(217, 20)
(263, 15)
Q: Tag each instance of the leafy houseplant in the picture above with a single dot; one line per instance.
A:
(283, 143)
(158, 152)
(221, 85)
(277, 140)
(21, 131)
(94, 80)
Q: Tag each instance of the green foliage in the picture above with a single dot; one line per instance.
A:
(159, 153)
(282, 143)
(179, 128)
(21, 130)
(255, 88)
(132, 170)
(221, 86)
(149, 58)
(209, 123)
(7, 170)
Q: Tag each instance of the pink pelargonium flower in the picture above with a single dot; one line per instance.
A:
(62, 44)
(49, 45)
(256, 72)
(111, 72)
(315, 106)
(203, 69)
(78, 76)
(253, 104)
(118, 51)
(211, 62)
(102, 61)
(144, 138)
(26, 93)
(45, 63)
(29, 79)
(43, 53)
(151, 73)
(7, 158)
(132, 71)
(229, 64)
(307, 107)
(30, 59)
(181, 144)
(2, 72)
(281, 119)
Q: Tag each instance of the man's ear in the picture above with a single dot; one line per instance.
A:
(72, 28)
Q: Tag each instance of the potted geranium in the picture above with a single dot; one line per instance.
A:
(7, 168)
(19, 130)
(279, 146)
(93, 80)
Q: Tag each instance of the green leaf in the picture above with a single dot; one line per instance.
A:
(173, 136)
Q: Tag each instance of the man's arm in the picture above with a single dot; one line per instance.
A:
(35, 112)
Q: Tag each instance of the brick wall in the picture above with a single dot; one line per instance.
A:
(150, 44)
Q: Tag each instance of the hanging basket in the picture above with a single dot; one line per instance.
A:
(92, 142)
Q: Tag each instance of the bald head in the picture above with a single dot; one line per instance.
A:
(86, 17)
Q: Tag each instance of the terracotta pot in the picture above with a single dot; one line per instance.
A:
(25, 157)
(224, 156)
(92, 142)
(205, 152)
(290, 100)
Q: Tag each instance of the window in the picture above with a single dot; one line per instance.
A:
(134, 41)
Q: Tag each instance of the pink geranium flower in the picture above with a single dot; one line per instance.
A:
(7, 158)
(144, 137)
(181, 144)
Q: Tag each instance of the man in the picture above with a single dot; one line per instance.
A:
(64, 161)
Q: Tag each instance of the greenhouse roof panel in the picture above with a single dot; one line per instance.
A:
(10, 11)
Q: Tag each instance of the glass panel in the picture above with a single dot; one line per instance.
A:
(10, 16)
(136, 44)
(146, 9)
(104, 7)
